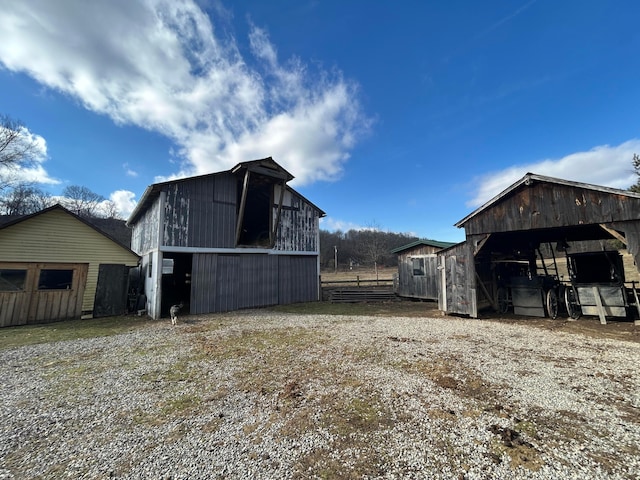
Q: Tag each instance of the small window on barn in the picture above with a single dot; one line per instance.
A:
(12, 280)
(51, 279)
(418, 266)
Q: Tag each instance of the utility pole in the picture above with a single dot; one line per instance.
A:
(335, 258)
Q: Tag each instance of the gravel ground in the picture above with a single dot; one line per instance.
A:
(262, 395)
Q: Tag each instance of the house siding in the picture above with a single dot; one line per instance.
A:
(58, 237)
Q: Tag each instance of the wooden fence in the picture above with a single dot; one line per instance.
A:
(358, 289)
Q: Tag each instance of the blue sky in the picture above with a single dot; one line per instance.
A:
(403, 116)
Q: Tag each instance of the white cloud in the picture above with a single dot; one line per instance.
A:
(604, 165)
(124, 201)
(129, 171)
(162, 65)
(334, 224)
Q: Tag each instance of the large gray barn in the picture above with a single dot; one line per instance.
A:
(512, 226)
(225, 241)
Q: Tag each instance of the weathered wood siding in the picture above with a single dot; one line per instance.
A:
(58, 237)
(201, 212)
(418, 286)
(457, 283)
(632, 236)
(144, 234)
(32, 305)
(543, 205)
(223, 282)
(299, 226)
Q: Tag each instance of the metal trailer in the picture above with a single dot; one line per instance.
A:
(597, 286)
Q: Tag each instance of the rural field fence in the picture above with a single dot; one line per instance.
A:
(364, 287)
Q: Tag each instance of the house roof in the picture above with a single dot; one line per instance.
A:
(23, 218)
(423, 242)
(266, 166)
(531, 178)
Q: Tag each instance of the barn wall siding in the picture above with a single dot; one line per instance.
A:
(299, 226)
(457, 283)
(418, 286)
(201, 212)
(223, 283)
(544, 205)
(298, 279)
(144, 234)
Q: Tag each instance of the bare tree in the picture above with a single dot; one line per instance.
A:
(18, 149)
(110, 209)
(24, 199)
(81, 201)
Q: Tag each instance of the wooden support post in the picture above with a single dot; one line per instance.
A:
(483, 287)
(601, 312)
(276, 224)
(243, 202)
(635, 296)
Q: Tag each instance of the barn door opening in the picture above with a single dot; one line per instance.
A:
(176, 281)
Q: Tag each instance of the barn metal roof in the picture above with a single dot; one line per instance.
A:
(531, 178)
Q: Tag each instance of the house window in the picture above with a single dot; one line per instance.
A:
(418, 266)
(12, 280)
(51, 279)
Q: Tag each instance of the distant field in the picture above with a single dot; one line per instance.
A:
(366, 275)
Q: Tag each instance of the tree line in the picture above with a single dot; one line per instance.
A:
(360, 248)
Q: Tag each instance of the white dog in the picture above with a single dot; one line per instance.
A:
(173, 311)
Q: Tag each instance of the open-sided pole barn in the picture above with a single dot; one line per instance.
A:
(535, 211)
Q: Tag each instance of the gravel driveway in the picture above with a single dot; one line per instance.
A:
(260, 395)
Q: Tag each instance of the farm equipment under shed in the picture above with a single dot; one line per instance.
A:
(597, 286)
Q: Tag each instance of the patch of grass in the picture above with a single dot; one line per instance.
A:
(356, 416)
(11, 337)
(357, 425)
(452, 375)
(181, 371)
(395, 308)
(180, 405)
